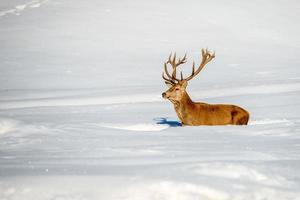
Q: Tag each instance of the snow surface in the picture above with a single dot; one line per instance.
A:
(81, 113)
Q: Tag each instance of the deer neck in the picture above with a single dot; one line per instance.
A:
(183, 106)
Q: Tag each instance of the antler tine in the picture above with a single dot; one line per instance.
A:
(170, 56)
(175, 65)
(203, 52)
(213, 55)
(171, 78)
(181, 61)
(193, 70)
(167, 80)
(206, 58)
(172, 61)
(209, 57)
(163, 76)
(166, 70)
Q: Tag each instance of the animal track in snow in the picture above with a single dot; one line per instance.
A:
(20, 8)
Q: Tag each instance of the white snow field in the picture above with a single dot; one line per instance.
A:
(81, 113)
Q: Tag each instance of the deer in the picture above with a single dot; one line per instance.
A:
(193, 113)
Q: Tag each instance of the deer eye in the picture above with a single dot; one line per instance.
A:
(177, 89)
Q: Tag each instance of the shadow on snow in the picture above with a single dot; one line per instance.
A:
(164, 120)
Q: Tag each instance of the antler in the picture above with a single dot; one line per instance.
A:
(172, 79)
(172, 61)
(206, 58)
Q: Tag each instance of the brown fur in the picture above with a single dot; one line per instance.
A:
(196, 113)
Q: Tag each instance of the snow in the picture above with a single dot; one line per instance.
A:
(18, 9)
(81, 113)
(136, 127)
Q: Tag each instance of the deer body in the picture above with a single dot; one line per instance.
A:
(198, 113)
(195, 114)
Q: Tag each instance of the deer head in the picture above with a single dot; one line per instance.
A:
(177, 87)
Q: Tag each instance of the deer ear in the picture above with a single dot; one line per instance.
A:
(184, 83)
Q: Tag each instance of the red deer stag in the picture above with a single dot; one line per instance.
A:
(198, 113)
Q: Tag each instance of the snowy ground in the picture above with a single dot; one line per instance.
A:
(81, 113)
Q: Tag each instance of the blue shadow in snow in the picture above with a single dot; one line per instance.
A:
(164, 120)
